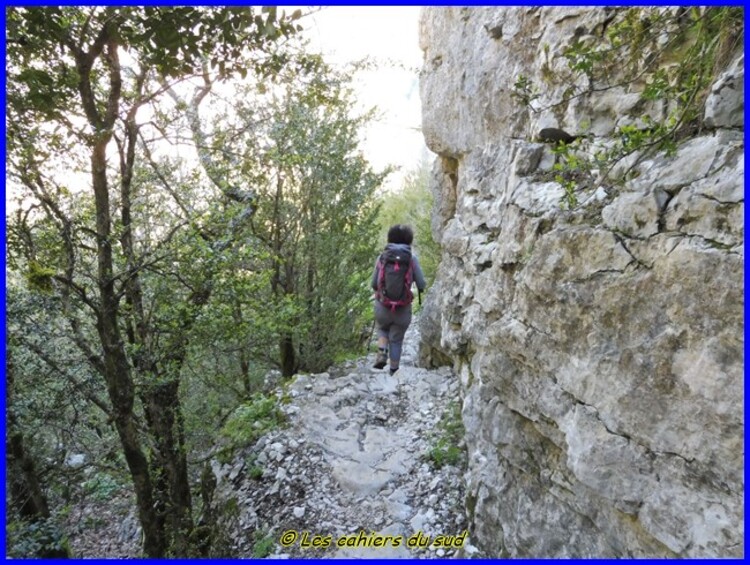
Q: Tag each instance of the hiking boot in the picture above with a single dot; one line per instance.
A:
(381, 360)
(393, 370)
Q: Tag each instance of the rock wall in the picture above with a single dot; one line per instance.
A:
(600, 349)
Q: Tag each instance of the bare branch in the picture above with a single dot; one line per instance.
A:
(163, 180)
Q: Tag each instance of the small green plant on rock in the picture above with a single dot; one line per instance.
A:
(669, 56)
(447, 444)
(254, 470)
(570, 199)
(524, 90)
(263, 545)
(571, 171)
(253, 419)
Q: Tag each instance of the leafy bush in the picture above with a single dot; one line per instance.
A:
(263, 546)
(316, 215)
(101, 486)
(253, 419)
(37, 539)
(447, 444)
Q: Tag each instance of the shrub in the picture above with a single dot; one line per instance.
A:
(447, 443)
(36, 539)
(263, 546)
(253, 419)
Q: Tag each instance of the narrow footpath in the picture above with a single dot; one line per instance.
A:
(350, 476)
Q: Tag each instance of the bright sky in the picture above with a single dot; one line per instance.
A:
(389, 35)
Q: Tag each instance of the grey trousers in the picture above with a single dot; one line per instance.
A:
(392, 324)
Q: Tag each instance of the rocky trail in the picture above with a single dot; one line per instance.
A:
(350, 475)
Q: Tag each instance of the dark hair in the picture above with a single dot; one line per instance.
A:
(400, 233)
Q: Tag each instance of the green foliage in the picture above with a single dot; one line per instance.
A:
(253, 419)
(37, 539)
(231, 508)
(50, 389)
(345, 356)
(444, 453)
(446, 444)
(263, 545)
(570, 169)
(39, 277)
(412, 205)
(255, 472)
(225, 455)
(297, 142)
(141, 253)
(669, 56)
(569, 199)
(101, 486)
(171, 39)
(524, 91)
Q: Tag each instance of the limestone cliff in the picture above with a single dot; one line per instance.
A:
(600, 348)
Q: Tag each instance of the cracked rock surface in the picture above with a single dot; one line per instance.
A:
(600, 349)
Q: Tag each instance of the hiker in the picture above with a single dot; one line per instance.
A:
(395, 269)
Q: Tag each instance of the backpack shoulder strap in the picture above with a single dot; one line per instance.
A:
(381, 271)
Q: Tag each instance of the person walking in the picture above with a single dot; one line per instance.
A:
(395, 270)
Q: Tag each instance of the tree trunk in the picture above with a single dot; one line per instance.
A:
(161, 396)
(245, 373)
(288, 356)
(169, 463)
(243, 354)
(116, 366)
